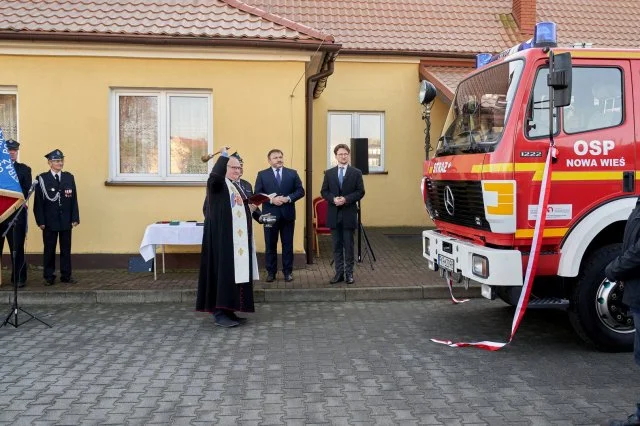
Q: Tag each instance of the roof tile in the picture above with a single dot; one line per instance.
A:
(605, 24)
(445, 78)
(198, 18)
(459, 26)
(429, 26)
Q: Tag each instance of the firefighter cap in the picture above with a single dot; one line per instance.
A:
(12, 144)
(56, 154)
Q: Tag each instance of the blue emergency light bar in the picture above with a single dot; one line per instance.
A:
(544, 35)
(483, 59)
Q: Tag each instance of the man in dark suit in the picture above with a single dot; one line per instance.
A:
(56, 212)
(342, 188)
(17, 235)
(287, 186)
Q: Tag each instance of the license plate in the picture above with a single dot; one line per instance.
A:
(445, 262)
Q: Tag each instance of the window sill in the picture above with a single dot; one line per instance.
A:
(148, 183)
(384, 172)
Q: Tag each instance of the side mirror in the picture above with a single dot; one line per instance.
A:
(560, 78)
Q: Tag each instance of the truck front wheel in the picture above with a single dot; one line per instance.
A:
(597, 313)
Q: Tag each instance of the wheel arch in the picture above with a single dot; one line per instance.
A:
(602, 226)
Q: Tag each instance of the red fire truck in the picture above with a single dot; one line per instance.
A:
(481, 187)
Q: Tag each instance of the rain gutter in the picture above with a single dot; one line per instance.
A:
(309, 96)
(418, 53)
(166, 40)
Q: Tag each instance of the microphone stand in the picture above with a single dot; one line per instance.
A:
(14, 306)
(368, 250)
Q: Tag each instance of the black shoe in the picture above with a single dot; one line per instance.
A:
(222, 320)
(232, 316)
(49, 281)
(338, 278)
(288, 277)
(632, 420)
(22, 284)
(349, 279)
(69, 280)
(271, 278)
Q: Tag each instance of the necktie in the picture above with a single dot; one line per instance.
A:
(57, 178)
(278, 178)
(341, 176)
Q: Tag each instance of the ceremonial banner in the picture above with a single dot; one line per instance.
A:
(11, 197)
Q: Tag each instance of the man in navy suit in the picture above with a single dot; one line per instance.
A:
(342, 187)
(287, 186)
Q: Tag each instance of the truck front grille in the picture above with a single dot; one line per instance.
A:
(462, 198)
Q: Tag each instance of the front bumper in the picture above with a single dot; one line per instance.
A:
(504, 266)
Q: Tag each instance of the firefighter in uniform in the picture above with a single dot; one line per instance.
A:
(17, 235)
(56, 211)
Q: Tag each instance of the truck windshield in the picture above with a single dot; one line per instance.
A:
(480, 109)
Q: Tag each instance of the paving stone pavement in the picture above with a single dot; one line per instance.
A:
(400, 272)
(352, 363)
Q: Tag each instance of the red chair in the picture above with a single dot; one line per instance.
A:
(320, 208)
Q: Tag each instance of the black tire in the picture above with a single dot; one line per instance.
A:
(509, 294)
(545, 286)
(586, 313)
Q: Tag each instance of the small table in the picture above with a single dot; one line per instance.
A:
(186, 233)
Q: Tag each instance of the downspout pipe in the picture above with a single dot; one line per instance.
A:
(311, 81)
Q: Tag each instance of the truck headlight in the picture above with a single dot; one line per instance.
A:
(427, 250)
(480, 266)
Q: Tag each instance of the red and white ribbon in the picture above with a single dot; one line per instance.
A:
(541, 216)
(449, 281)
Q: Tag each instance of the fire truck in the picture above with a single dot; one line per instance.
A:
(482, 184)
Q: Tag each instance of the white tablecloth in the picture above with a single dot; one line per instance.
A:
(187, 233)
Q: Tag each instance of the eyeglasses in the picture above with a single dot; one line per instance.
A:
(235, 167)
(342, 154)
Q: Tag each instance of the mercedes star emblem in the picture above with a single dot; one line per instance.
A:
(448, 200)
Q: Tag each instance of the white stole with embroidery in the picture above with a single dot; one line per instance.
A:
(241, 240)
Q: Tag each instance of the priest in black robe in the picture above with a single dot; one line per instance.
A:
(228, 264)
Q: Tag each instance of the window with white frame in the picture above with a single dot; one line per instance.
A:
(160, 135)
(9, 112)
(342, 126)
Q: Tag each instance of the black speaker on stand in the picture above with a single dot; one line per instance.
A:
(360, 154)
(360, 160)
